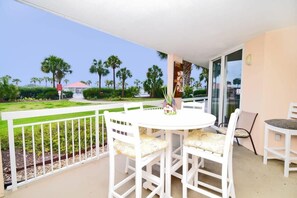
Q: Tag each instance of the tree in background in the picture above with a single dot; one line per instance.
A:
(98, 68)
(236, 81)
(66, 81)
(89, 82)
(7, 91)
(46, 79)
(16, 81)
(39, 80)
(57, 67)
(34, 80)
(108, 83)
(138, 85)
(113, 62)
(203, 76)
(154, 80)
(123, 74)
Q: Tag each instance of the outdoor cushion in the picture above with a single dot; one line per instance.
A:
(206, 141)
(149, 145)
(283, 123)
(237, 133)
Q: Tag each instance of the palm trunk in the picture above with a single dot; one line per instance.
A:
(99, 82)
(123, 88)
(113, 78)
(54, 86)
(187, 68)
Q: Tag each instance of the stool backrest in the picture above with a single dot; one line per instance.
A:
(133, 106)
(293, 111)
(120, 127)
(193, 105)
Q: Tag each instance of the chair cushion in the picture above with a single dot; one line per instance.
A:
(238, 132)
(148, 145)
(206, 141)
(283, 123)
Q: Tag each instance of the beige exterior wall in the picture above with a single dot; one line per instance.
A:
(270, 82)
(170, 71)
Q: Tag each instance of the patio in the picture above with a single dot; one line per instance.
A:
(252, 179)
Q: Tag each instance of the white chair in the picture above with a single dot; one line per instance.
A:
(123, 138)
(214, 147)
(133, 106)
(177, 153)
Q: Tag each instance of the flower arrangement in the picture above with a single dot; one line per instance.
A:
(169, 103)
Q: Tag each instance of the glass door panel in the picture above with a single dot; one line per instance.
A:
(232, 83)
(216, 80)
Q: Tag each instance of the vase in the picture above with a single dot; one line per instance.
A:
(169, 109)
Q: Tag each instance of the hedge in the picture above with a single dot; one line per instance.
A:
(42, 93)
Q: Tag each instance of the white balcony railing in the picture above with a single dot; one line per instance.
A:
(53, 145)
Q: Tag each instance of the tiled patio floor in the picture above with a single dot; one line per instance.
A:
(252, 180)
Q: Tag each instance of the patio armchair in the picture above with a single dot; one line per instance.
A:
(124, 138)
(244, 127)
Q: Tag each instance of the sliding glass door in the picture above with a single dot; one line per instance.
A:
(225, 84)
(215, 89)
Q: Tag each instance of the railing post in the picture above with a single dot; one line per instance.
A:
(97, 132)
(12, 154)
(1, 176)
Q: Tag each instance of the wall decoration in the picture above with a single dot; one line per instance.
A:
(178, 77)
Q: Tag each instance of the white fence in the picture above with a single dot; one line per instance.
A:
(52, 145)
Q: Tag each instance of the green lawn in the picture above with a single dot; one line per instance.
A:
(21, 106)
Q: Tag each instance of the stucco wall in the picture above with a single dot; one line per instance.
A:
(270, 82)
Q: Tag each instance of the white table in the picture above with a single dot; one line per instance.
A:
(184, 120)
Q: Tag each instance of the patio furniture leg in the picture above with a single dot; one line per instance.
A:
(168, 164)
(185, 173)
(287, 154)
(265, 145)
(253, 144)
(237, 141)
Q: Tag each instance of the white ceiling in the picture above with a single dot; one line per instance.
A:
(195, 30)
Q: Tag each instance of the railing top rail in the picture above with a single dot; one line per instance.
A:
(195, 98)
(56, 111)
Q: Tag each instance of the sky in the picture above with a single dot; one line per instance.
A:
(28, 35)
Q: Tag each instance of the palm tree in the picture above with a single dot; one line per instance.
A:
(113, 62)
(46, 79)
(66, 81)
(39, 80)
(187, 68)
(108, 83)
(34, 80)
(98, 67)
(57, 67)
(203, 76)
(7, 78)
(123, 74)
(154, 80)
(16, 81)
(89, 82)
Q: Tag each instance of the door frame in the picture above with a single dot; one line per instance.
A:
(222, 79)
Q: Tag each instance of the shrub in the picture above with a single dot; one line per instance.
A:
(39, 93)
(200, 93)
(67, 94)
(8, 91)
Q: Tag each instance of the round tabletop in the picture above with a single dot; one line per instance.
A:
(183, 119)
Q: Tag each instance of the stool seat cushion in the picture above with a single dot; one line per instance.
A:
(148, 145)
(238, 132)
(283, 123)
(207, 141)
